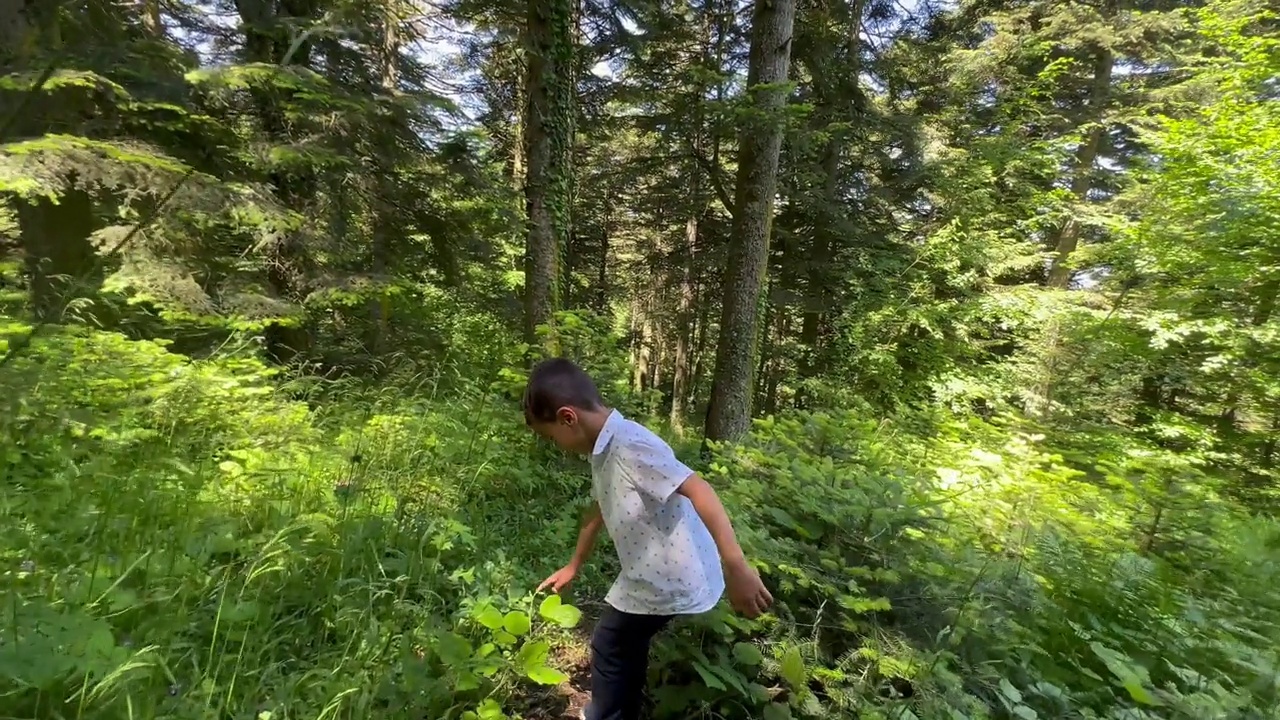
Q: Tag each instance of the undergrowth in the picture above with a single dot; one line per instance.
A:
(206, 539)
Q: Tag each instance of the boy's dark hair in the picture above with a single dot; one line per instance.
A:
(555, 383)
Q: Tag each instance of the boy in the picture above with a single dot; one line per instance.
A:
(676, 546)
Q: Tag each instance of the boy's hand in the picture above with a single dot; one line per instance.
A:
(747, 593)
(559, 579)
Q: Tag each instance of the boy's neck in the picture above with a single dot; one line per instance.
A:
(593, 424)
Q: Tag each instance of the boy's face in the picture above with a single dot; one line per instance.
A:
(566, 431)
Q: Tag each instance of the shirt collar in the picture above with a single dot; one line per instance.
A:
(607, 432)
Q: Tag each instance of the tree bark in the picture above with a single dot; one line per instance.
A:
(680, 374)
(699, 346)
(602, 264)
(151, 20)
(729, 413)
(548, 136)
(840, 99)
(692, 229)
(384, 226)
(776, 368)
(641, 355)
(1068, 236)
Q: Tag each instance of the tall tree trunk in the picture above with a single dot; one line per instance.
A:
(1067, 238)
(657, 359)
(692, 229)
(518, 148)
(641, 355)
(818, 297)
(840, 100)
(548, 128)
(151, 20)
(729, 413)
(16, 35)
(267, 40)
(25, 27)
(384, 226)
(700, 345)
(766, 348)
(602, 263)
(684, 330)
(776, 368)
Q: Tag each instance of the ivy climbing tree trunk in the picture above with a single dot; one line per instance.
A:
(729, 412)
(548, 137)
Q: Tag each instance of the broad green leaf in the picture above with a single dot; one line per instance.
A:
(452, 648)
(1008, 690)
(777, 711)
(489, 616)
(747, 654)
(532, 655)
(554, 609)
(792, 669)
(708, 678)
(490, 709)
(517, 623)
(545, 675)
(863, 604)
(1132, 677)
(466, 681)
(488, 667)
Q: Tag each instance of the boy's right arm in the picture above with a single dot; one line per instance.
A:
(591, 525)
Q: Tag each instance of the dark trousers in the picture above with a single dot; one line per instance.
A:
(620, 663)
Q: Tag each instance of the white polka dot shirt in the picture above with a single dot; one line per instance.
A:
(670, 565)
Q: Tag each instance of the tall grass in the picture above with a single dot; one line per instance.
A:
(206, 539)
(185, 539)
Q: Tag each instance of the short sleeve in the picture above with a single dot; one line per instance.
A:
(653, 468)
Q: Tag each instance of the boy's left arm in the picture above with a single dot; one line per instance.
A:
(747, 593)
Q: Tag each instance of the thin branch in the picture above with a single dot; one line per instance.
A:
(716, 175)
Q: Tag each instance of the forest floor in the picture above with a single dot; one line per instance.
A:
(568, 699)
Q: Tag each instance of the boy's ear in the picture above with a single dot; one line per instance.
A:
(567, 415)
